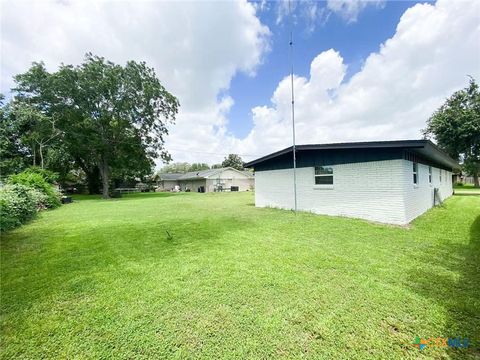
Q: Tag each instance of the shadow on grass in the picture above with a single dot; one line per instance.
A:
(467, 194)
(460, 296)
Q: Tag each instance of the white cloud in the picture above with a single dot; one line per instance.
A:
(311, 13)
(314, 15)
(260, 5)
(196, 48)
(433, 50)
(350, 9)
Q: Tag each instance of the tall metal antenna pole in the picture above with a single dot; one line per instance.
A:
(293, 110)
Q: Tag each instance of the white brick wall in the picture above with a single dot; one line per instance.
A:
(419, 198)
(379, 191)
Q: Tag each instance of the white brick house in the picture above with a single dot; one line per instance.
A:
(388, 181)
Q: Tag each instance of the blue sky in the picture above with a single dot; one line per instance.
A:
(355, 41)
(225, 61)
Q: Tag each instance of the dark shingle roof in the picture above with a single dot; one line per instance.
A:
(170, 176)
(423, 147)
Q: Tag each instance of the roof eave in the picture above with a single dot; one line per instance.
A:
(407, 144)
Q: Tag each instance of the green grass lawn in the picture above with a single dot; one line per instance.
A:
(102, 279)
(467, 188)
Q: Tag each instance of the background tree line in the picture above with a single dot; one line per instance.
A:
(232, 160)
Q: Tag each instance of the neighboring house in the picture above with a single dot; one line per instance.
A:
(386, 181)
(168, 181)
(465, 179)
(208, 180)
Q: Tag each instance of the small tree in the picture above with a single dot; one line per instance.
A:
(183, 167)
(178, 167)
(456, 128)
(41, 132)
(234, 161)
(199, 167)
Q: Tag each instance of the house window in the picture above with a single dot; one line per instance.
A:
(415, 173)
(430, 174)
(440, 175)
(323, 175)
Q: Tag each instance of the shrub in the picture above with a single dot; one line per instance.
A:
(17, 205)
(459, 184)
(49, 176)
(36, 180)
(40, 199)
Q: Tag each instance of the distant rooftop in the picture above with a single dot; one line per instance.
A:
(202, 174)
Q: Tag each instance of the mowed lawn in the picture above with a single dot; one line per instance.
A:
(104, 279)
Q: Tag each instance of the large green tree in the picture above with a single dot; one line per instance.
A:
(456, 128)
(14, 155)
(234, 161)
(113, 118)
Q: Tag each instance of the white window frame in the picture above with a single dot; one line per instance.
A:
(415, 173)
(315, 175)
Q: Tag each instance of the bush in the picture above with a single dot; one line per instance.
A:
(17, 205)
(458, 184)
(36, 180)
(40, 199)
(49, 176)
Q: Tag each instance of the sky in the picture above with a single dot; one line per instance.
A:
(363, 70)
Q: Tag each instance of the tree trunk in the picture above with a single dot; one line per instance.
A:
(475, 179)
(41, 155)
(93, 180)
(104, 172)
(93, 176)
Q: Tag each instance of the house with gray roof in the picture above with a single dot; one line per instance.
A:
(222, 179)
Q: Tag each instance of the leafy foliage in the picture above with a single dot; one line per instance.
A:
(456, 127)
(112, 118)
(18, 204)
(199, 167)
(234, 161)
(36, 179)
(14, 154)
(48, 175)
(183, 167)
(40, 130)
